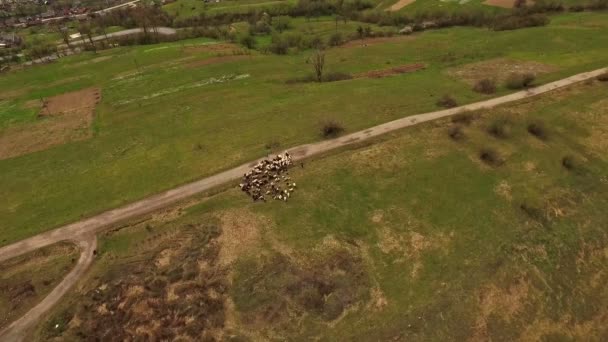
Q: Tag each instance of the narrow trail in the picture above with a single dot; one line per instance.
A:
(18, 330)
(84, 231)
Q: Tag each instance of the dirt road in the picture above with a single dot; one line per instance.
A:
(18, 330)
(89, 227)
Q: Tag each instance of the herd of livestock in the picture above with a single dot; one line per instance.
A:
(269, 178)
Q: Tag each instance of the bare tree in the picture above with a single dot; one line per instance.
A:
(85, 30)
(65, 35)
(318, 62)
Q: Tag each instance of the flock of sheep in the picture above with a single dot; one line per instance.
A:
(269, 178)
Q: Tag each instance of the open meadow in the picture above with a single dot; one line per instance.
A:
(95, 131)
(487, 225)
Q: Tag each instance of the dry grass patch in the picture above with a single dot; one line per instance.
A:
(402, 69)
(63, 118)
(498, 69)
(399, 5)
(500, 3)
(241, 232)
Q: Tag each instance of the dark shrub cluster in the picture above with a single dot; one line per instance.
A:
(456, 133)
(491, 157)
(446, 101)
(500, 129)
(485, 86)
(331, 129)
(538, 130)
(519, 80)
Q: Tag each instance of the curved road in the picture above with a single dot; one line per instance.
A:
(18, 330)
(85, 229)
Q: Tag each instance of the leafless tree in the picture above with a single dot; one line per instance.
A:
(65, 34)
(318, 62)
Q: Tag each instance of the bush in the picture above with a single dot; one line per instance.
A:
(570, 163)
(519, 80)
(500, 129)
(490, 157)
(331, 129)
(335, 39)
(248, 41)
(513, 22)
(538, 130)
(463, 118)
(603, 77)
(447, 101)
(281, 23)
(485, 86)
(456, 133)
(279, 45)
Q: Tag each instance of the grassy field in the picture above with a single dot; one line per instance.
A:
(414, 237)
(25, 280)
(183, 9)
(449, 6)
(167, 115)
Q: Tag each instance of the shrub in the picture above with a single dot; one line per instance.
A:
(485, 86)
(603, 77)
(519, 80)
(331, 129)
(463, 118)
(281, 23)
(279, 45)
(447, 101)
(538, 130)
(456, 133)
(500, 129)
(335, 39)
(490, 157)
(248, 41)
(569, 163)
(533, 212)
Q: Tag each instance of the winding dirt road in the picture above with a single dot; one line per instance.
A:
(84, 231)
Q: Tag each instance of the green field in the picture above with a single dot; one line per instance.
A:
(164, 121)
(183, 9)
(411, 237)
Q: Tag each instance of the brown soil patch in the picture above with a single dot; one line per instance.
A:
(63, 118)
(216, 60)
(374, 41)
(504, 190)
(240, 232)
(497, 69)
(500, 3)
(402, 69)
(399, 5)
(217, 48)
(504, 303)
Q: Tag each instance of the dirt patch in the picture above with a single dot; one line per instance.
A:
(497, 69)
(503, 189)
(217, 48)
(399, 5)
(63, 118)
(92, 61)
(216, 60)
(374, 41)
(502, 302)
(136, 300)
(500, 3)
(241, 232)
(402, 69)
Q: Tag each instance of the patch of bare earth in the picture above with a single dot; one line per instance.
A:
(217, 48)
(409, 246)
(217, 60)
(240, 232)
(500, 3)
(497, 69)
(502, 302)
(402, 69)
(399, 5)
(63, 118)
(374, 41)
